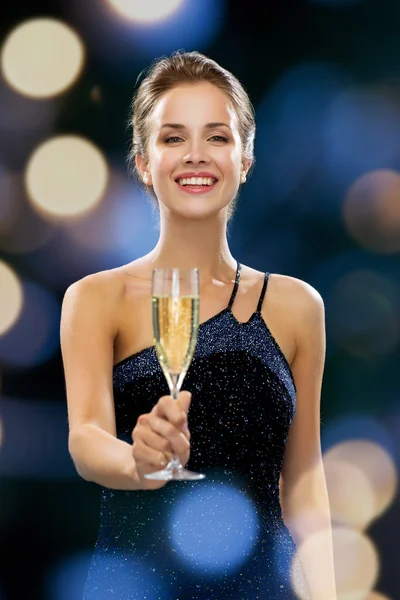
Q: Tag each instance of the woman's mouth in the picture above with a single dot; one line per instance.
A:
(196, 185)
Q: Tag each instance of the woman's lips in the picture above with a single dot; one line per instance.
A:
(197, 189)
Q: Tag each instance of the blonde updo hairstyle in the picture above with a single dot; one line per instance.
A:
(183, 68)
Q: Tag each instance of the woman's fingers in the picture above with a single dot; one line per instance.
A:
(160, 434)
(148, 457)
(171, 410)
(156, 441)
(178, 442)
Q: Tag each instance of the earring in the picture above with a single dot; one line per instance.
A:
(243, 177)
(146, 178)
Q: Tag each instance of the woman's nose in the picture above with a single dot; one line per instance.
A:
(197, 154)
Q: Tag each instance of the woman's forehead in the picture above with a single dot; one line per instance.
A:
(194, 104)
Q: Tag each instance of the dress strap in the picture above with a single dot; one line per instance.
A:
(266, 278)
(235, 288)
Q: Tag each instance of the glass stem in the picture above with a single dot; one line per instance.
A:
(174, 463)
(174, 391)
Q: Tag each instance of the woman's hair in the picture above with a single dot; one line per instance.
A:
(183, 68)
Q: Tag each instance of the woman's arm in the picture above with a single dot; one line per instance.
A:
(306, 507)
(87, 336)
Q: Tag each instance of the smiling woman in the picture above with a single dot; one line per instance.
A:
(253, 386)
(193, 85)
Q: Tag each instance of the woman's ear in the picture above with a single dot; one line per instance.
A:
(143, 169)
(246, 166)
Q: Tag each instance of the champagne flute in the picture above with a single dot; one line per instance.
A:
(175, 310)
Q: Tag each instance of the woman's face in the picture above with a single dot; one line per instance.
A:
(194, 151)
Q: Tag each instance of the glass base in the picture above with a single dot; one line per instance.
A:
(174, 474)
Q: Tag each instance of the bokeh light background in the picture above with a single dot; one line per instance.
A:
(322, 204)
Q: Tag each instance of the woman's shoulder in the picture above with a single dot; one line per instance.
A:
(286, 284)
(294, 285)
(106, 286)
(299, 297)
(289, 291)
(108, 278)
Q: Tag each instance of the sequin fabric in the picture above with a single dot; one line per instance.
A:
(223, 537)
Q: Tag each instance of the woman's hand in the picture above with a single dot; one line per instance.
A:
(160, 434)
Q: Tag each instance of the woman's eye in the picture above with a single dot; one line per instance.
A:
(219, 138)
(215, 138)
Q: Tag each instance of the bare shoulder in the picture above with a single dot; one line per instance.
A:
(104, 285)
(296, 293)
(98, 293)
(305, 309)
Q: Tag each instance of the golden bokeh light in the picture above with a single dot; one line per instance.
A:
(371, 211)
(41, 58)
(11, 297)
(351, 497)
(145, 12)
(376, 465)
(66, 176)
(356, 564)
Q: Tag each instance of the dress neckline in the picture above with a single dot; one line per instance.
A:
(227, 309)
(256, 315)
(224, 310)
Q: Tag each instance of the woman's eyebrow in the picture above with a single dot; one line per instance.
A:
(207, 126)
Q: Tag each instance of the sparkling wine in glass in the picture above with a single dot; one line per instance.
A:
(175, 311)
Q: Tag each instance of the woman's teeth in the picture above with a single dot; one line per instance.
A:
(196, 181)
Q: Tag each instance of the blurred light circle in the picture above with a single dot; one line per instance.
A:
(351, 497)
(213, 528)
(376, 465)
(361, 132)
(145, 12)
(42, 57)
(118, 230)
(363, 314)
(371, 211)
(11, 297)
(357, 425)
(118, 223)
(356, 564)
(376, 596)
(66, 176)
(156, 30)
(34, 337)
(292, 111)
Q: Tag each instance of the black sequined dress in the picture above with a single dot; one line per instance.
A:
(222, 537)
